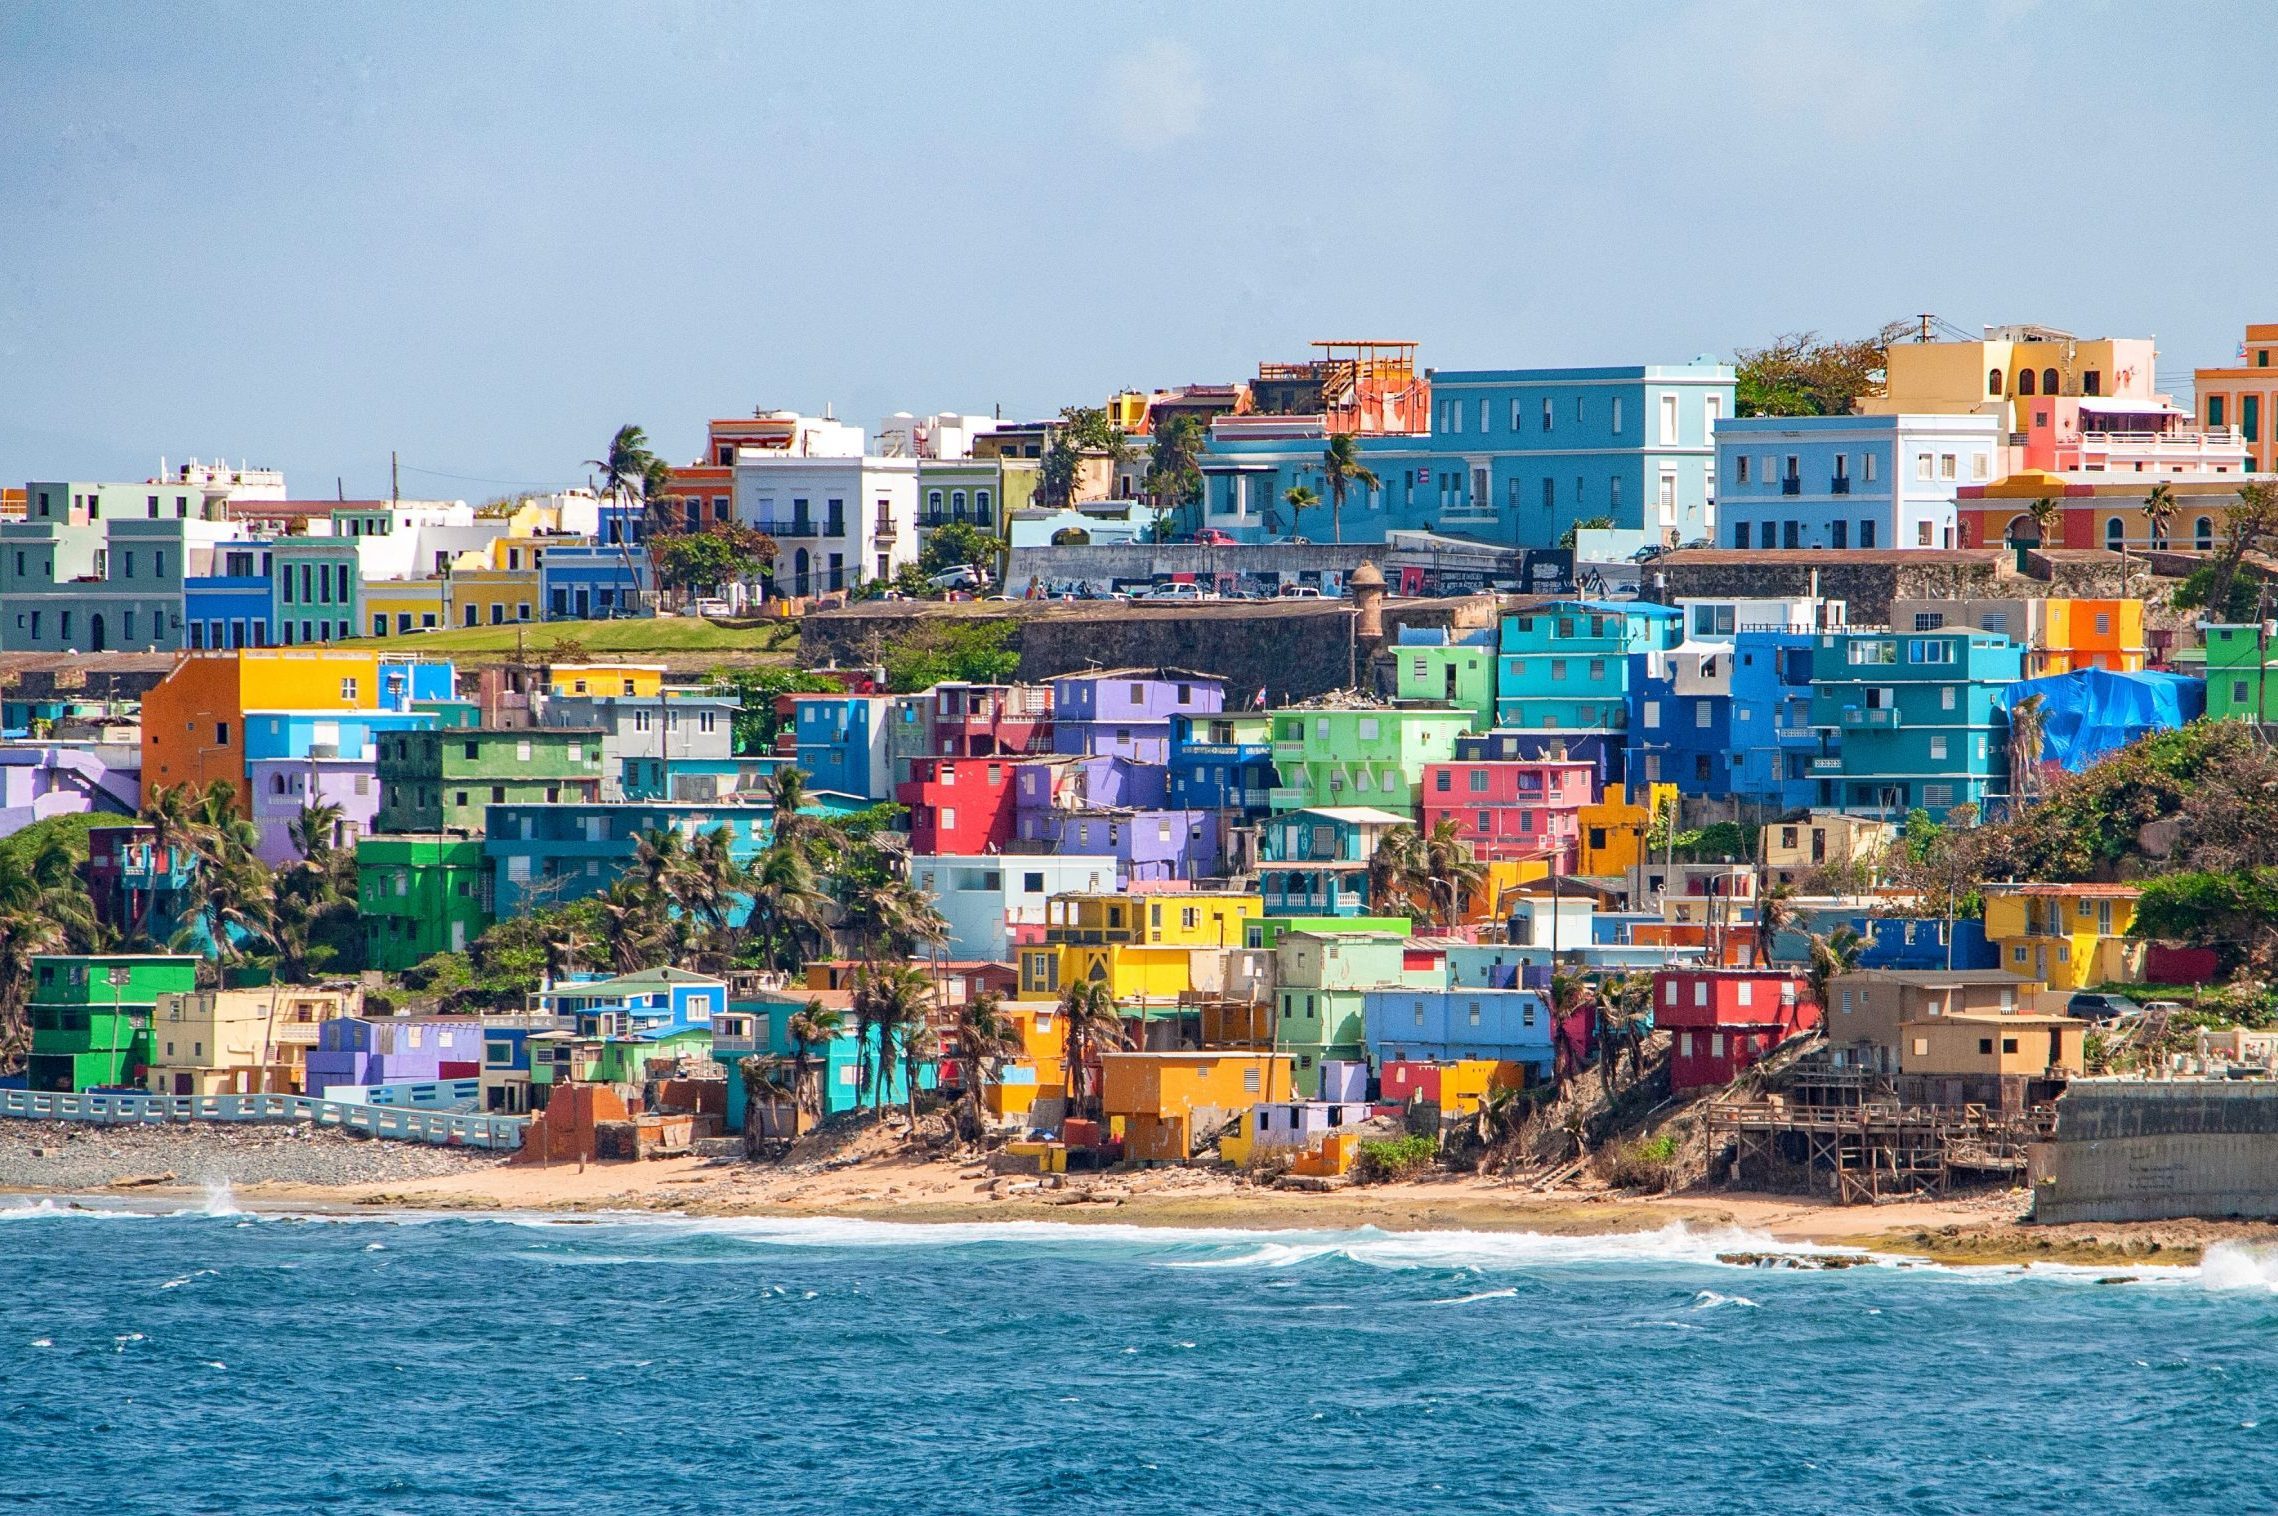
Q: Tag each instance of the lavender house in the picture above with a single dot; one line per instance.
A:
(40, 779)
(281, 786)
(1300, 1124)
(358, 1050)
(1079, 784)
(1126, 713)
(1145, 844)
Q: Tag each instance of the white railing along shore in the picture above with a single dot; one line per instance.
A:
(399, 1123)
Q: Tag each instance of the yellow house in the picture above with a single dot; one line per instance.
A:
(1614, 830)
(2007, 369)
(239, 1042)
(1982, 1044)
(2068, 936)
(638, 679)
(1170, 1102)
(394, 607)
(1039, 1069)
(1148, 949)
(490, 597)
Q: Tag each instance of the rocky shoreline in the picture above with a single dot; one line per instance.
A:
(57, 1155)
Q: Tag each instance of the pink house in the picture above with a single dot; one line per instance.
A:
(1512, 808)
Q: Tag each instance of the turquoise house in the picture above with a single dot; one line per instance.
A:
(1920, 718)
(1315, 862)
(1565, 666)
(761, 1027)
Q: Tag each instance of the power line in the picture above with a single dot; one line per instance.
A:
(547, 484)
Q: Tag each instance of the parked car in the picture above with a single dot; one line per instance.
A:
(1211, 536)
(1299, 592)
(961, 576)
(2090, 1007)
(1187, 593)
(714, 608)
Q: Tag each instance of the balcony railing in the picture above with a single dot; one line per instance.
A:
(795, 526)
(1791, 486)
(1882, 717)
(1839, 485)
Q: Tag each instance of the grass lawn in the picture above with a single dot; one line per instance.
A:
(659, 635)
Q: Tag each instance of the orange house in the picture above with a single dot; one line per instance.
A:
(193, 723)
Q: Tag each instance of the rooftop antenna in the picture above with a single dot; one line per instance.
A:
(1926, 318)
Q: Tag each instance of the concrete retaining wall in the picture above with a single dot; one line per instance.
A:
(2158, 1150)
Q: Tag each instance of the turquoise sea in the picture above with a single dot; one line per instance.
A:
(213, 1361)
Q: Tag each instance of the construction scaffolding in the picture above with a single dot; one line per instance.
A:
(1873, 1152)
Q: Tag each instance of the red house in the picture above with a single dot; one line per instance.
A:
(1721, 1020)
(991, 720)
(959, 805)
(1510, 809)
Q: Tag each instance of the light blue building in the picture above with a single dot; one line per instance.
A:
(843, 744)
(1315, 862)
(1445, 1026)
(1565, 666)
(644, 1001)
(1849, 481)
(1512, 456)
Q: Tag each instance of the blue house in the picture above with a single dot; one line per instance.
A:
(1919, 717)
(1565, 666)
(627, 1004)
(760, 1028)
(843, 744)
(346, 734)
(231, 607)
(1222, 762)
(1727, 720)
(1315, 862)
(1446, 1026)
(1849, 481)
(1510, 456)
(608, 577)
(544, 854)
(1895, 942)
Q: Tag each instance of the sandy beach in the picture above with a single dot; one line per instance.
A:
(898, 1187)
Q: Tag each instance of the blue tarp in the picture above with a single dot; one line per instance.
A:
(2092, 712)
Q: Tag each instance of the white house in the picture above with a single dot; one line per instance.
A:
(837, 522)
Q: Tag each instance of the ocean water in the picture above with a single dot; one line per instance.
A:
(214, 1361)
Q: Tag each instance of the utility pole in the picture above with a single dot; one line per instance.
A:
(395, 488)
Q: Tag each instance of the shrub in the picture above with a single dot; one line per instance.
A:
(1383, 1160)
(1649, 1163)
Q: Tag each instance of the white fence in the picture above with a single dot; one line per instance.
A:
(400, 1123)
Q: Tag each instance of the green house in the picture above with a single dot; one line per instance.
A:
(1459, 673)
(1359, 756)
(1266, 931)
(91, 1015)
(1323, 981)
(624, 1060)
(418, 896)
(445, 781)
(2242, 674)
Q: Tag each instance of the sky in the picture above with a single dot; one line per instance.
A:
(484, 235)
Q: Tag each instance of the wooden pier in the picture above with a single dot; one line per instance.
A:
(1875, 1151)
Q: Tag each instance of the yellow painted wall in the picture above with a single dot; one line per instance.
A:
(606, 678)
(1624, 825)
(420, 599)
(497, 597)
(2071, 949)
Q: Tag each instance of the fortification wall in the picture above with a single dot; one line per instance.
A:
(2159, 1150)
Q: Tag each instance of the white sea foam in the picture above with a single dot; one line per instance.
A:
(1506, 1293)
(1709, 1300)
(175, 1284)
(43, 1342)
(221, 1200)
(2240, 1266)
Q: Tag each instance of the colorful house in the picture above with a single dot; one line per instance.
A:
(1826, 842)
(1726, 719)
(959, 805)
(996, 904)
(1565, 666)
(1171, 1104)
(2060, 635)
(239, 1042)
(1314, 862)
(2242, 672)
(1362, 756)
(446, 781)
(1920, 720)
(1455, 670)
(1146, 845)
(1148, 949)
(91, 1016)
(1849, 481)
(550, 853)
(2067, 936)
(2243, 396)
(1511, 1026)
(625, 1003)
(1512, 810)
(847, 1072)
(1266, 932)
(420, 895)
(1323, 980)
(361, 1050)
(1615, 830)
(1127, 713)
(843, 744)
(1723, 1019)
(1222, 762)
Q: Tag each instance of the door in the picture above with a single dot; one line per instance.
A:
(95, 633)
(182, 1083)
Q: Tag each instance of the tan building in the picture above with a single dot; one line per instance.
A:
(1867, 1008)
(240, 1042)
(2244, 395)
(2004, 1063)
(2005, 371)
(1796, 850)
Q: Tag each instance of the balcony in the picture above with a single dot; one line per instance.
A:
(1827, 765)
(1289, 798)
(795, 526)
(1879, 718)
(1791, 486)
(1839, 485)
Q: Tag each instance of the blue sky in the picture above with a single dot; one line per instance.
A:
(484, 235)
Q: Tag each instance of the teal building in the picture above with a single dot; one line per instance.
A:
(1919, 717)
(1565, 666)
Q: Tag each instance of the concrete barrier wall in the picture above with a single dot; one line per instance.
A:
(2156, 1151)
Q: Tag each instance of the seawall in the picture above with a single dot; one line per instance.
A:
(2157, 1150)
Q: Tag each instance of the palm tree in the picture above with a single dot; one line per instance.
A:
(2028, 727)
(890, 1008)
(1341, 469)
(980, 1038)
(1094, 1025)
(1448, 873)
(790, 913)
(1831, 956)
(634, 924)
(1569, 995)
(1299, 499)
(1775, 912)
(1393, 868)
(313, 829)
(2047, 514)
(712, 885)
(626, 469)
(1624, 1007)
(44, 908)
(812, 1026)
(889, 918)
(2159, 510)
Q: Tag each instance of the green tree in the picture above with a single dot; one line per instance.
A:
(1083, 430)
(980, 1038)
(44, 908)
(1448, 875)
(1570, 536)
(625, 473)
(1300, 499)
(959, 543)
(1803, 374)
(934, 650)
(1174, 470)
(2159, 512)
(756, 722)
(1830, 957)
(1341, 469)
(721, 555)
(811, 1028)
(1094, 1026)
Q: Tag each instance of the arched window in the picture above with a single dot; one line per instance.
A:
(2021, 529)
(799, 572)
(2024, 381)
(2115, 533)
(2203, 534)
(2049, 384)
(1993, 381)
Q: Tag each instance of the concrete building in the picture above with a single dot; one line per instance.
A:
(445, 781)
(1722, 1020)
(994, 905)
(90, 1017)
(1867, 1007)
(1565, 666)
(1850, 481)
(2243, 396)
(240, 1042)
(1343, 756)
(837, 522)
(1919, 717)
(1512, 810)
(1496, 1025)
(420, 895)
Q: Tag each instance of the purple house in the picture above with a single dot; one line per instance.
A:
(357, 1050)
(39, 780)
(1145, 844)
(1081, 784)
(1126, 713)
(281, 786)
